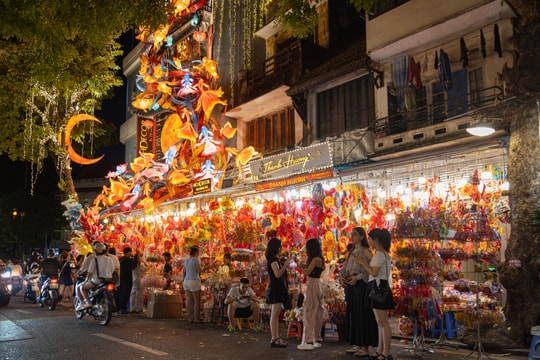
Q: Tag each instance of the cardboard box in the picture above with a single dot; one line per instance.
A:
(164, 306)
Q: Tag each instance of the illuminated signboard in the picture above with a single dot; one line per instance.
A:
(300, 161)
(202, 186)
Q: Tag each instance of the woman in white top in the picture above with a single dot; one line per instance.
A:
(192, 285)
(379, 270)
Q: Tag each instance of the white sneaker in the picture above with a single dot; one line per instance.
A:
(83, 306)
(317, 344)
(305, 346)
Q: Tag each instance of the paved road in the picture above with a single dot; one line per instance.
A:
(30, 332)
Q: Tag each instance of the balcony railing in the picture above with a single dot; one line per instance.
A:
(284, 68)
(438, 111)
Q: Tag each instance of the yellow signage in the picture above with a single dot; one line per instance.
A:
(295, 180)
(202, 186)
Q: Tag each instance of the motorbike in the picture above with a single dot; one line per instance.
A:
(102, 299)
(49, 293)
(5, 284)
(31, 288)
(16, 284)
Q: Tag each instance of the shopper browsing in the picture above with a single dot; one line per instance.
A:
(313, 301)
(379, 275)
(277, 291)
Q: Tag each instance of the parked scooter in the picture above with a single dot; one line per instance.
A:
(31, 288)
(102, 299)
(16, 284)
(49, 293)
(5, 284)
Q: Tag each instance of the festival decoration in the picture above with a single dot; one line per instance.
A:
(193, 140)
(67, 139)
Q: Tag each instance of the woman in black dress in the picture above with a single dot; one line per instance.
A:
(277, 291)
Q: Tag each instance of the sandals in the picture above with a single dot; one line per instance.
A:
(379, 356)
(279, 343)
(231, 328)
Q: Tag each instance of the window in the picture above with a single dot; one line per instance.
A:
(346, 107)
(272, 132)
(476, 86)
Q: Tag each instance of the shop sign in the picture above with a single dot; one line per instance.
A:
(295, 180)
(145, 136)
(202, 186)
(305, 160)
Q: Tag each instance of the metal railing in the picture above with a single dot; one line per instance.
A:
(439, 108)
(286, 67)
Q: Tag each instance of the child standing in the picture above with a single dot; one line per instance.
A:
(313, 302)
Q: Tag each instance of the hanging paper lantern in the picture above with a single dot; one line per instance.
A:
(199, 36)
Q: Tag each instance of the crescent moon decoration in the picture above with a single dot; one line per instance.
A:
(72, 153)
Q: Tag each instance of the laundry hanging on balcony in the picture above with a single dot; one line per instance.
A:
(401, 72)
(414, 74)
(483, 44)
(497, 40)
(464, 53)
(445, 71)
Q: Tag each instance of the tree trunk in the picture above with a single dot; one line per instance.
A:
(522, 284)
(65, 177)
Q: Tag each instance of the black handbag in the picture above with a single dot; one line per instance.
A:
(379, 293)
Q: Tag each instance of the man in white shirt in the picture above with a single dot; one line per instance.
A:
(242, 303)
(99, 268)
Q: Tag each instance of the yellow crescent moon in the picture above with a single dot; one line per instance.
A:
(69, 127)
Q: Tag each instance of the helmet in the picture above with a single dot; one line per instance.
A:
(99, 247)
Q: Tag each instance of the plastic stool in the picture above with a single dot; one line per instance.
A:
(534, 352)
(295, 329)
(244, 322)
(330, 329)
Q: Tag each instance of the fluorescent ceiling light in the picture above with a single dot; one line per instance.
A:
(481, 128)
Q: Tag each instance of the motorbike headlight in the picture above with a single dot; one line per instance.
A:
(6, 275)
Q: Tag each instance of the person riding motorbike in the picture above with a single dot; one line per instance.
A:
(100, 267)
(49, 267)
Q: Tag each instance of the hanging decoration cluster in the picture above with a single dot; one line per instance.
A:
(192, 139)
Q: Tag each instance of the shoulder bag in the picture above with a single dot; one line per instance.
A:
(379, 293)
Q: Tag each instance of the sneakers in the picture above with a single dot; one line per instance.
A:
(305, 346)
(352, 350)
(361, 353)
(83, 306)
(317, 344)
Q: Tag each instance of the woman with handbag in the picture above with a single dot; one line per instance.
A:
(379, 275)
(277, 291)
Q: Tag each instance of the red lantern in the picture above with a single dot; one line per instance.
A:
(199, 36)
